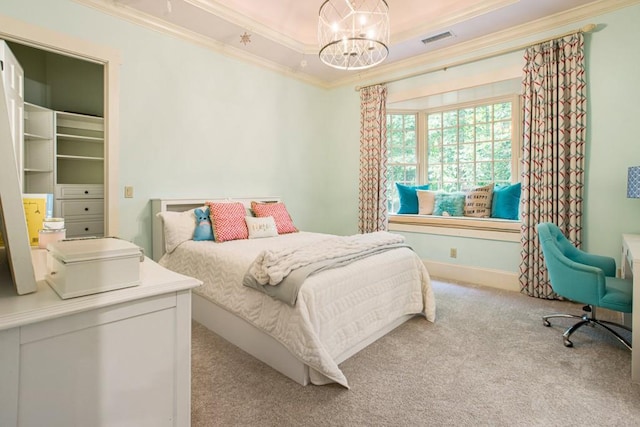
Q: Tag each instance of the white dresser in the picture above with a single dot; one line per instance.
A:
(118, 358)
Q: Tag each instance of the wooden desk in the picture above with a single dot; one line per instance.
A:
(630, 267)
(121, 357)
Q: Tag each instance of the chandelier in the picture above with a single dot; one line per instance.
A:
(353, 34)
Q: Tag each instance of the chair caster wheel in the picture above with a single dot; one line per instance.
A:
(546, 323)
(568, 343)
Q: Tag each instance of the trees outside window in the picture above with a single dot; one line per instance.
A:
(453, 148)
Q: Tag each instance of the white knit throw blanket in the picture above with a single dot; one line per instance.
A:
(271, 267)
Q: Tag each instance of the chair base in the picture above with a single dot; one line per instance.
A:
(590, 320)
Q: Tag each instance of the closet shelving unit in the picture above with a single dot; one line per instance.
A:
(39, 150)
(80, 149)
(64, 155)
(79, 189)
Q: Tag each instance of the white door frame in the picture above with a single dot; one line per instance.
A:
(42, 38)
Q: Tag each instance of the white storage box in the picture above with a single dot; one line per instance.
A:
(88, 266)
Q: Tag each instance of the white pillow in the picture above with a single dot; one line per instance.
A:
(426, 201)
(178, 228)
(261, 227)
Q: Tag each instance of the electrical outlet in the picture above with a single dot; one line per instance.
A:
(128, 192)
(453, 253)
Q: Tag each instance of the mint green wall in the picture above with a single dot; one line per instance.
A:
(612, 135)
(197, 123)
(343, 153)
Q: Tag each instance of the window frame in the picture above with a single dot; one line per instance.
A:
(516, 135)
(418, 132)
(422, 143)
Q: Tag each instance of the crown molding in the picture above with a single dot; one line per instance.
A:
(496, 40)
(424, 61)
(215, 7)
(129, 14)
(218, 9)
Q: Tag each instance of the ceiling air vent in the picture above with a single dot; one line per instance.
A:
(438, 37)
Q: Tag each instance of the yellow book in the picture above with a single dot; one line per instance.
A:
(35, 210)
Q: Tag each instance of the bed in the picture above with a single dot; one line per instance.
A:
(338, 311)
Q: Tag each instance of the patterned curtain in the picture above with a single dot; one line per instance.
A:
(553, 151)
(373, 159)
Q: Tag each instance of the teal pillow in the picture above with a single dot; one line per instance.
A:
(409, 197)
(449, 204)
(506, 201)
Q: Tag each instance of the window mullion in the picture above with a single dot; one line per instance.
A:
(421, 135)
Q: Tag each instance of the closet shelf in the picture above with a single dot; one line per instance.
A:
(79, 138)
(34, 137)
(32, 170)
(66, 156)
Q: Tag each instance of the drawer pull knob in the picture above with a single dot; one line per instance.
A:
(86, 209)
(86, 229)
(86, 191)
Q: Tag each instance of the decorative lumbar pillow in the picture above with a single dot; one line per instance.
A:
(449, 204)
(506, 201)
(478, 202)
(426, 201)
(178, 228)
(203, 228)
(261, 227)
(227, 221)
(278, 211)
(409, 198)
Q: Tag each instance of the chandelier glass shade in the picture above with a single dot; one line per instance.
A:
(353, 34)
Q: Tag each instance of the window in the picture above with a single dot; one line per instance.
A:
(452, 148)
(402, 166)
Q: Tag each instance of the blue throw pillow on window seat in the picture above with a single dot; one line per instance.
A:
(506, 202)
(449, 204)
(409, 197)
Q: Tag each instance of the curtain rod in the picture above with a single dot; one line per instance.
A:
(585, 29)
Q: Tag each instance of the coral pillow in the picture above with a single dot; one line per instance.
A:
(227, 221)
(279, 212)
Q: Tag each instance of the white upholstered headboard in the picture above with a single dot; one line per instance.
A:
(180, 205)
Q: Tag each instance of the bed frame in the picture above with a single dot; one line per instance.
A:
(237, 330)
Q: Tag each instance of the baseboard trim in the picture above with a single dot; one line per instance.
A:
(474, 275)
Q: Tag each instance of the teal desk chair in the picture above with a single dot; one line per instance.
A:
(585, 278)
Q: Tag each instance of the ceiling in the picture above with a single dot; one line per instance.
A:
(282, 34)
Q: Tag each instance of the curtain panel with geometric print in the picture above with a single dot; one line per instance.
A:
(554, 122)
(372, 192)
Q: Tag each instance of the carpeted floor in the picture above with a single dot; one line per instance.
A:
(486, 361)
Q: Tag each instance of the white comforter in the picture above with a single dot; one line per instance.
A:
(336, 308)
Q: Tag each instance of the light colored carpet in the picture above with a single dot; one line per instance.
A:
(487, 360)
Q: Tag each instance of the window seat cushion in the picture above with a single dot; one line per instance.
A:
(488, 224)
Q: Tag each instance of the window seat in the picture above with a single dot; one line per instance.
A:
(482, 228)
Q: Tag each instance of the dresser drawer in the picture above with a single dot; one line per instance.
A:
(85, 228)
(79, 209)
(79, 191)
